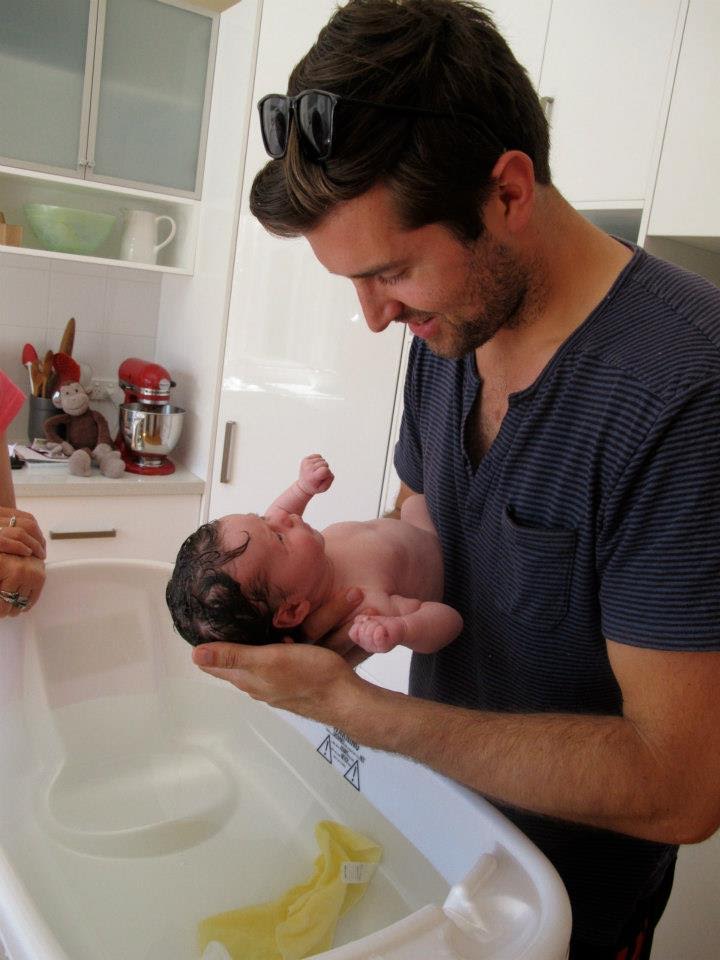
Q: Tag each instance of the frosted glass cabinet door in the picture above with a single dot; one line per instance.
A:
(43, 48)
(150, 108)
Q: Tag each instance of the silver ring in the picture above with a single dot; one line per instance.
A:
(15, 599)
(13, 521)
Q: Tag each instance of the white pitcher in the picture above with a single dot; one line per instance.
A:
(139, 239)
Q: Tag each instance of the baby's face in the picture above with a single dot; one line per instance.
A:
(282, 549)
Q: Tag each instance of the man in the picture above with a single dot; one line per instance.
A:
(561, 419)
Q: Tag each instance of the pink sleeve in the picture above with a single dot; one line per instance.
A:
(11, 399)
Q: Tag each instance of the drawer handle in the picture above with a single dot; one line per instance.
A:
(227, 445)
(81, 534)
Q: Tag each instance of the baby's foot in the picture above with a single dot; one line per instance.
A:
(315, 475)
(377, 634)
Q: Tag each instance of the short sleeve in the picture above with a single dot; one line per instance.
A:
(408, 450)
(11, 399)
(658, 550)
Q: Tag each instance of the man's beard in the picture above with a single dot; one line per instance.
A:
(498, 281)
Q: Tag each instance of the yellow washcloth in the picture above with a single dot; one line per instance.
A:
(303, 921)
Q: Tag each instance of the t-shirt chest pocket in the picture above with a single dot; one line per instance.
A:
(534, 570)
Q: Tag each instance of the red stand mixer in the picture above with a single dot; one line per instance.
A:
(150, 425)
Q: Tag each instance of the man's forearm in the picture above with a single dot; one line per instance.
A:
(593, 770)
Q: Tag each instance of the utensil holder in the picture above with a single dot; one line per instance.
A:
(40, 410)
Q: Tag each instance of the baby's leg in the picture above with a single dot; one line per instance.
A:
(425, 629)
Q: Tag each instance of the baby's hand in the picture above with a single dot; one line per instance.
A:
(315, 476)
(377, 634)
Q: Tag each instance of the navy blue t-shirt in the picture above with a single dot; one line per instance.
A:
(595, 514)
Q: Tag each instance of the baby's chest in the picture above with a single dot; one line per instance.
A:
(368, 559)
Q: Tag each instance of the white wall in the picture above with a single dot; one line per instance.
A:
(115, 310)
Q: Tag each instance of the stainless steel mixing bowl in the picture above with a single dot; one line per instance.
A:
(150, 430)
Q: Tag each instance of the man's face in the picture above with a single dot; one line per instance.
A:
(282, 550)
(455, 296)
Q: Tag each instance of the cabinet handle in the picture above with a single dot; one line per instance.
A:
(227, 444)
(81, 534)
(547, 106)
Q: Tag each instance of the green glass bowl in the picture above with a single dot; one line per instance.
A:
(67, 230)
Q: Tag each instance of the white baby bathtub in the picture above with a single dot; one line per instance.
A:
(139, 795)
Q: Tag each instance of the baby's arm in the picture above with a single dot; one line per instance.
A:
(422, 626)
(315, 477)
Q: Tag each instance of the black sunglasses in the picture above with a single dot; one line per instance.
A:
(314, 112)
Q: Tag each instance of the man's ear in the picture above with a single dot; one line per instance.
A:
(515, 193)
(290, 613)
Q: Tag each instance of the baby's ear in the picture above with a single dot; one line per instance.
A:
(290, 613)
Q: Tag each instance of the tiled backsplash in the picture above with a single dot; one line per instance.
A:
(115, 310)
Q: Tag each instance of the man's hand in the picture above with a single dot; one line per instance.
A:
(315, 475)
(308, 680)
(329, 625)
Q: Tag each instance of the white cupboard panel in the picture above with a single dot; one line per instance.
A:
(606, 66)
(134, 528)
(686, 201)
(302, 373)
(524, 26)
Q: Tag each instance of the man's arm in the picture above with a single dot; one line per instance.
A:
(403, 494)
(653, 772)
(315, 477)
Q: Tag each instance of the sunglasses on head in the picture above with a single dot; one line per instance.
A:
(314, 113)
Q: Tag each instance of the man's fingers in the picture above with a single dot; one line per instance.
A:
(337, 609)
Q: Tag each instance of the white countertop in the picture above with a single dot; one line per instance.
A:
(54, 480)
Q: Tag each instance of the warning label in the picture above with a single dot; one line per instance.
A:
(344, 754)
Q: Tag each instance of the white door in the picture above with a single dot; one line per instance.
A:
(606, 66)
(686, 201)
(302, 373)
(524, 26)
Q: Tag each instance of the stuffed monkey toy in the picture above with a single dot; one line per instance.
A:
(82, 434)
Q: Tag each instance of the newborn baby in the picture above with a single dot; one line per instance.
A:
(250, 579)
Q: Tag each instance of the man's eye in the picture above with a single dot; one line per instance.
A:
(389, 281)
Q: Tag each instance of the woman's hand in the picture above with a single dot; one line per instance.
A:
(21, 536)
(21, 578)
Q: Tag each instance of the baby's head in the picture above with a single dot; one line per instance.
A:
(247, 579)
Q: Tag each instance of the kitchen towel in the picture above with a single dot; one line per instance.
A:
(301, 922)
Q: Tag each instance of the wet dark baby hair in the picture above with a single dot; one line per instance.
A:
(207, 604)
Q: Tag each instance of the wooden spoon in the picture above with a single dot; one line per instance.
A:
(68, 338)
(45, 371)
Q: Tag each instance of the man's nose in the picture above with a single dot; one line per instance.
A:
(378, 309)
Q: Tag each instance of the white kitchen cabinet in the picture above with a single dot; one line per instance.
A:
(109, 90)
(104, 527)
(524, 26)
(686, 201)
(301, 371)
(605, 69)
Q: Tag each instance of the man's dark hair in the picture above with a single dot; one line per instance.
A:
(442, 55)
(205, 602)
